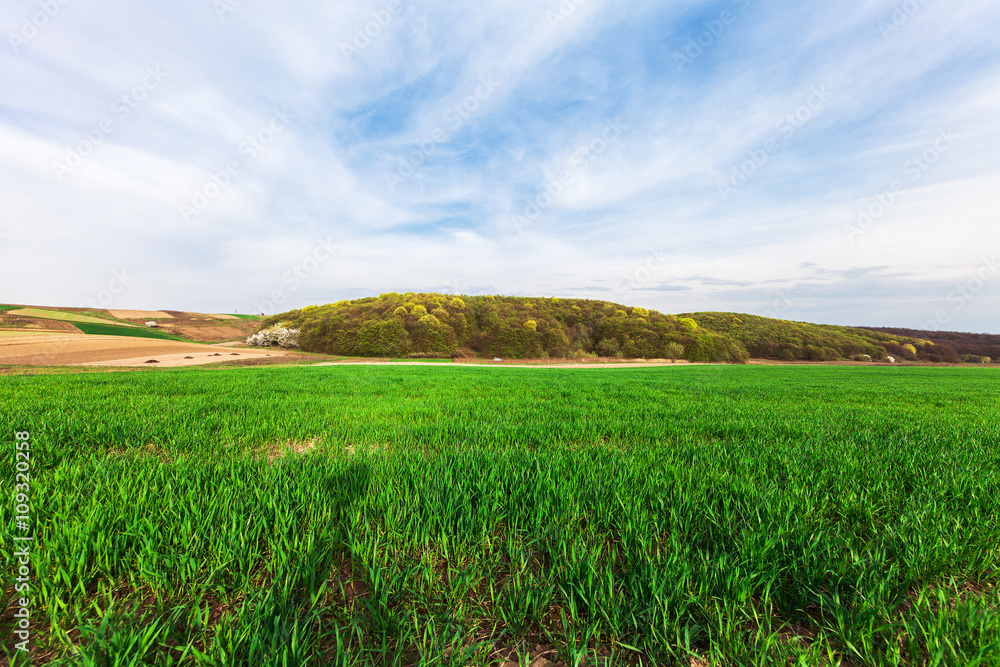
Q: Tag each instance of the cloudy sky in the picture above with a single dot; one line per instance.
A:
(828, 161)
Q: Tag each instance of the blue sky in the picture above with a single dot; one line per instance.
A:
(828, 161)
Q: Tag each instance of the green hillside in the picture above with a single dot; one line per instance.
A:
(439, 325)
(398, 325)
(766, 338)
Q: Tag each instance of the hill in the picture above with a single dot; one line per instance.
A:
(170, 324)
(439, 325)
(967, 347)
(766, 338)
(54, 337)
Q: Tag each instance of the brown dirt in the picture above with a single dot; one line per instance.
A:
(207, 334)
(200, 327)
(204, 317)
(70, 350)
(140, 314)
(20, 323)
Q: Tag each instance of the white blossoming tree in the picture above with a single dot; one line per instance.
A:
(275, 336)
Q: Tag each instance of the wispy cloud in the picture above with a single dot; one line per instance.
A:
(418, 132)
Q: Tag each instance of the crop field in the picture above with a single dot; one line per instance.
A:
(115, 330)
(75, 318)
(386, 515)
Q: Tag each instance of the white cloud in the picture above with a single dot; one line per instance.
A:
(654, 189)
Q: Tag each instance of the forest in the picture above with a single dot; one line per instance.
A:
(430, 325)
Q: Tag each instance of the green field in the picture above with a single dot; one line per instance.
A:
(134, 332)
(739, 515)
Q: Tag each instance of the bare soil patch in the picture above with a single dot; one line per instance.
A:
(201, 317)
(207, 334)
(19, 323)
(61, 316)
(140, 314)
(71, 350)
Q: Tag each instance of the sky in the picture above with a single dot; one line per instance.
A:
(833, 162)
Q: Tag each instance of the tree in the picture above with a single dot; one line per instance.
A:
(674, 351)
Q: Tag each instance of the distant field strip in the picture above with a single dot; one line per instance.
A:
(388, 515)
(105, 329)
(140, 314)
(62, 316)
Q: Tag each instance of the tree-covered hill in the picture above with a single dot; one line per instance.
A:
(399, 325)
(766, 338)
(969, 347)
(440, 325)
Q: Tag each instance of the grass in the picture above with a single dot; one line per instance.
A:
(6, 308)
(63, 316)
(248, 317)
(135, 332)
(449, 516)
